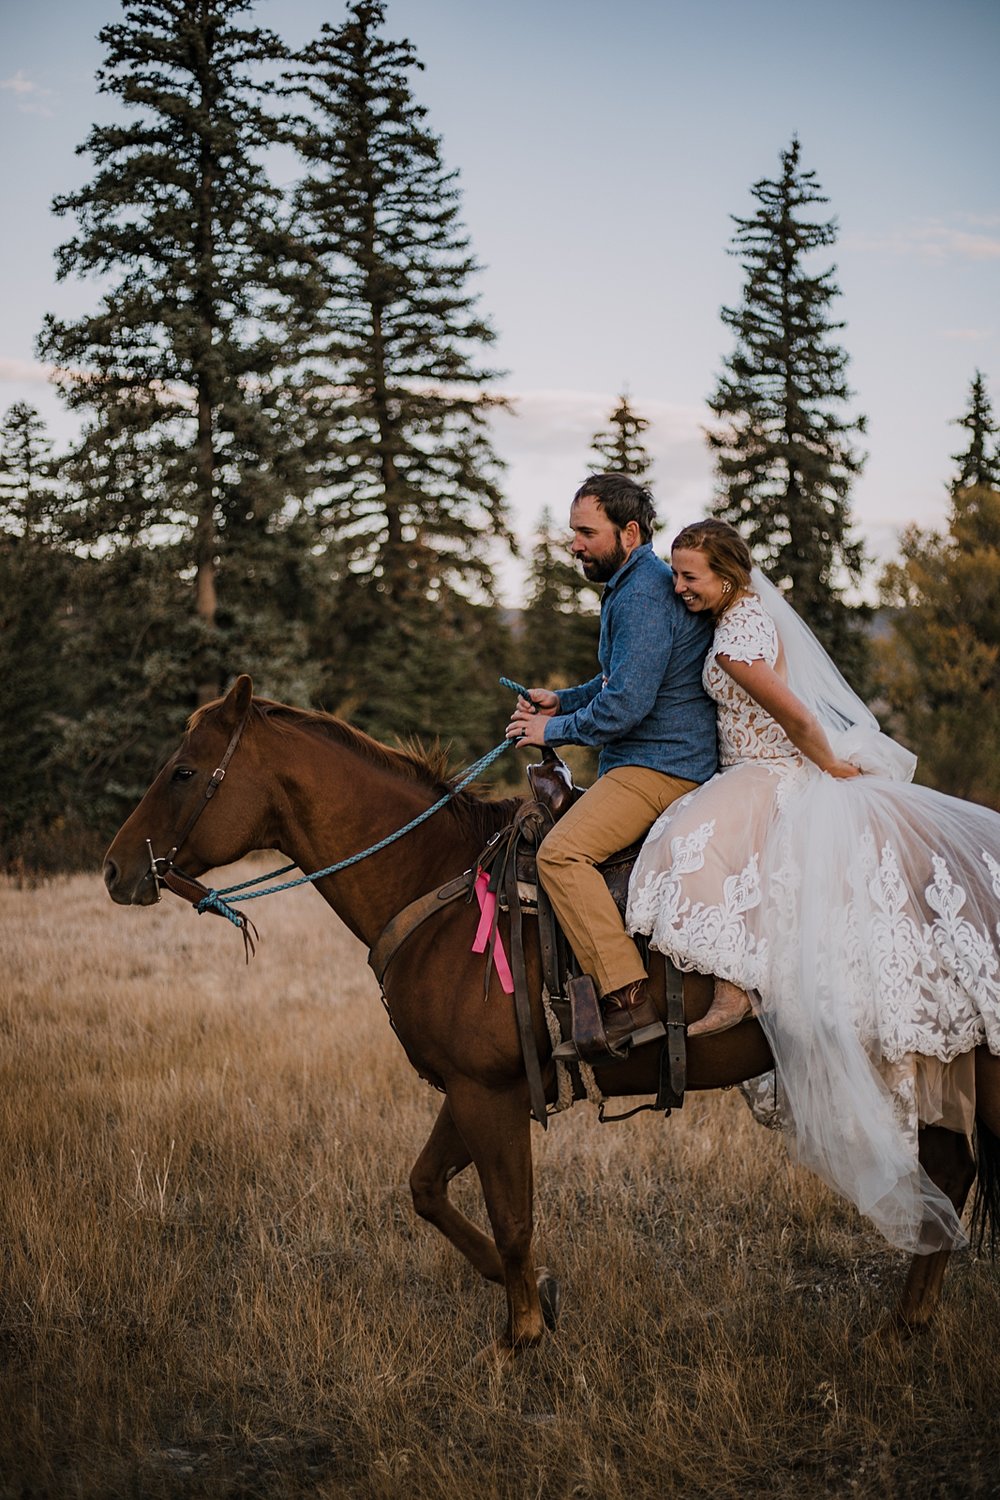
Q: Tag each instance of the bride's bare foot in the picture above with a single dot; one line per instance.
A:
(730, 1005)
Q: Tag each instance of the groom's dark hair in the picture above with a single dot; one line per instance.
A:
(622, 501)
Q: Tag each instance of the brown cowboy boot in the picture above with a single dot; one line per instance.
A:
(630, 1018)
(730, 1005)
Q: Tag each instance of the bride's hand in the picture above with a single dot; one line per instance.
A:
(843, 770)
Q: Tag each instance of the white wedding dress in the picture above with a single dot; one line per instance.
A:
(862, 912)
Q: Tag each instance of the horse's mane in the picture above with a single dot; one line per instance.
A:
(479, 816)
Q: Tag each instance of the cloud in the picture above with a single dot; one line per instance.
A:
(934, 240)
(25, 371)
(967, 335)
(548, 422)
(30, 96)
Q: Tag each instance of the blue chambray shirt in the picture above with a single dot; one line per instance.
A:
(646, 707)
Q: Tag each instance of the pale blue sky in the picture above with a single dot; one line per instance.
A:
(602, 149)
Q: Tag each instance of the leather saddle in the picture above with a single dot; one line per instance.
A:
(553, 793)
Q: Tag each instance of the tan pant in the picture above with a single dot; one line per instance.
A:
(619, 808)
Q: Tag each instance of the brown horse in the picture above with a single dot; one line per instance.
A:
(318, 790)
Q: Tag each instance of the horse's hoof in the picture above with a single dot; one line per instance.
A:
(881, 1340)
(493, 1359)
(549, 1295)
(892, 1334)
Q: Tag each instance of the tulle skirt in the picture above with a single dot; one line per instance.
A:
(864, 913)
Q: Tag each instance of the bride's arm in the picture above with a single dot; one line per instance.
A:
(776, 698)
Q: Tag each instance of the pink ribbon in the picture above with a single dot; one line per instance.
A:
(487, 906)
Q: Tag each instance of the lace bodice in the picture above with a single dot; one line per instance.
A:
(746, 731)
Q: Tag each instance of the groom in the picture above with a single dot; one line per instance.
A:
(655, 726)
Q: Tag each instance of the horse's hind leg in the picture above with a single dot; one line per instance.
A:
(443, 1157)
(495, 1125)
(947, 1159)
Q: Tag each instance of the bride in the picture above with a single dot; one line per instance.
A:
(854, 912)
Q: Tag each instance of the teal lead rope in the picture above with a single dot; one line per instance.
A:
(216, 901)
(515, 687)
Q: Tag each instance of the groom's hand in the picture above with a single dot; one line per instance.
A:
(527, 728)
(539, 701)
(527, 722)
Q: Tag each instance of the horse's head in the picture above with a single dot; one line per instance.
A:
(184, 816)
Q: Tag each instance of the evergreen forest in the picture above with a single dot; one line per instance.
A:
(284, 460)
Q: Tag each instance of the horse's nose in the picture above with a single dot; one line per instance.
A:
(128, 884)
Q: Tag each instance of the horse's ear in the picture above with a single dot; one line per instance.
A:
(237, 701)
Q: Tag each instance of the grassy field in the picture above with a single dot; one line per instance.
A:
(214, 1284)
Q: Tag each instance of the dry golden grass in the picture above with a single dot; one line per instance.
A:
(214, 1284)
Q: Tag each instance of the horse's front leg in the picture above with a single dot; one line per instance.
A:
(443, 1157)
(495, 1125)
(948, 1161)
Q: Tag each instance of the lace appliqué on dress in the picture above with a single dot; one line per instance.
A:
(704, 935)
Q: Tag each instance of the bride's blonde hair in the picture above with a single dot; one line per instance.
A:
(726, 552)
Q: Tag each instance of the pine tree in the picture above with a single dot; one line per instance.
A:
(619, 447)
(35, 685)
(208, 296)
(431, 665)
(559, 629)
(131, 642)
(939, 665)
(561, 619)
(407, 480)
(979, 465)
(31, 500)
(783, 456)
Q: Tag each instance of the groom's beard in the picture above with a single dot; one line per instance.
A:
(600, 569)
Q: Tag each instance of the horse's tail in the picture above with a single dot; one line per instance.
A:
(985, 1224)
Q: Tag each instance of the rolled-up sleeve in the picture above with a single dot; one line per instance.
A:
(641, 644)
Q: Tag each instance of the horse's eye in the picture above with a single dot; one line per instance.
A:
(182, 773)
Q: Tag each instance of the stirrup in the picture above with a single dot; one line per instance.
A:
(589, 1044)
(568, 1052)
(589, 1041)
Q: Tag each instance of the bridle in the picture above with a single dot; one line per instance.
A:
(163, 867)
